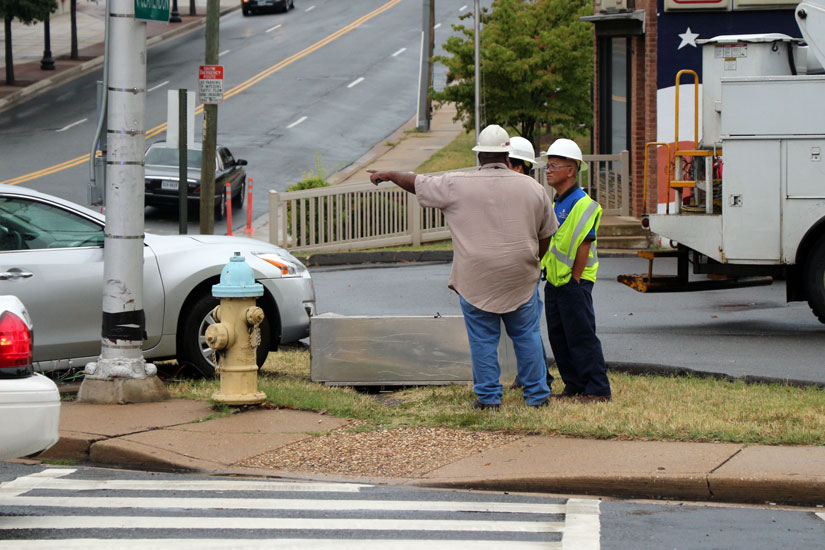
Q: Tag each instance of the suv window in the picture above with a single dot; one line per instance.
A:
(30, 225)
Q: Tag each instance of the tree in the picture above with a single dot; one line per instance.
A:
(27, 11)
(536, 67)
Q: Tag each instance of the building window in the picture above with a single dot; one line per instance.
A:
(614, 83)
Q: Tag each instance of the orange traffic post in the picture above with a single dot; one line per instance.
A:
(229, 209)
(248, 229)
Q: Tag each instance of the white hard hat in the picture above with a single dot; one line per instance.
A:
(568, 149)
(493, 139)
(523, 150)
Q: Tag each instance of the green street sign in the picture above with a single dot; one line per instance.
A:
(152, 10)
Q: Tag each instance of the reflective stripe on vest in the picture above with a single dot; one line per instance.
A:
(558, 262)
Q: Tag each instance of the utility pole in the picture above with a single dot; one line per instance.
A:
(210, 126)
(426, 71)
(121, 374)
(477, 41)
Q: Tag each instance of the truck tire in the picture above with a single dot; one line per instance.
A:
(814, 279)
(192, 348)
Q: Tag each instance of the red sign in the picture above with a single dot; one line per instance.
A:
(210, 84)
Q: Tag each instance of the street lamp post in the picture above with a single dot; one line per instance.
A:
(47, 63)
(174, 17)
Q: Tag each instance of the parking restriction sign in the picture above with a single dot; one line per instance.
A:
(210, 84)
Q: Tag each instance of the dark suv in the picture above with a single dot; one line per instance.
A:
(254, 6)
(161, 165)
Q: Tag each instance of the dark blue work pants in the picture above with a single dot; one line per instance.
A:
(571, 327)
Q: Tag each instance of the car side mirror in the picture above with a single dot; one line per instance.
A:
(241, 162)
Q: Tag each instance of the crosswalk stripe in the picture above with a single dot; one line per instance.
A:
(280, 504)
(269, 544)
(347, 524)
(180, 485)
(582, 527)
(24, 484)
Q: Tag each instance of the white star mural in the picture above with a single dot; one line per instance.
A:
(688, 39)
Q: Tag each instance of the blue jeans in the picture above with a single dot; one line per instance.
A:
(524, 329)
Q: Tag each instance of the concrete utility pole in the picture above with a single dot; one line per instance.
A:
(210, 126)
(425, 75)
(121, 374)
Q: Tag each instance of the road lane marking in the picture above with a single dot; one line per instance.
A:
(161, 85)
(821, 515)
(270, 29)
(81, 121)
(399, 52)
(346, 524)
(582, 527)
(462, 8)
(29, 482)
(24, 484)
(224, 53)
(274, 544)
(197, 503)
(234, 91)
(297, 122)
(437, 25)
(355, 82)
(310, 8)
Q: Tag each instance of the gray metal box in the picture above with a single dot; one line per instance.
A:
(396, 351)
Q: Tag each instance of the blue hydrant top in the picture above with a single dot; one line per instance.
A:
(237, 280)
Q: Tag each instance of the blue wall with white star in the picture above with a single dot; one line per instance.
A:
(704, 25)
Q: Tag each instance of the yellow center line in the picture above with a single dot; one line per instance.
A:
(232, 92)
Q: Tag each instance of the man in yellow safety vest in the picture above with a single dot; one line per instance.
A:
(570, 266)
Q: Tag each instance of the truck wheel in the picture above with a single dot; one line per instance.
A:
(192, 348)
(814, 279)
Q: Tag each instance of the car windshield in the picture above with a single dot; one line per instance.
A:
(164, 156)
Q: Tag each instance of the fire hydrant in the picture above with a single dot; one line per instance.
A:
(235, 337)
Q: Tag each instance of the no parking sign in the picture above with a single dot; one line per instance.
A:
(210, 84)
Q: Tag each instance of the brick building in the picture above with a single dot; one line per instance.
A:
(639, 47)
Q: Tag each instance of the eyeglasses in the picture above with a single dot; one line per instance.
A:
(554, 166)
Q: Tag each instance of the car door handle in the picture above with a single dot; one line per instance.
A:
(15, 274)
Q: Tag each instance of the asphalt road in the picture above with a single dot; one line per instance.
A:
(748, 331)
(336, 101)
(59, 507)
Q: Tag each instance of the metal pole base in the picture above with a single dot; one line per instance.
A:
(119, 391)
(239, 399)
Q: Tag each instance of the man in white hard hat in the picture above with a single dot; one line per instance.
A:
(501, 223)
(570, 266)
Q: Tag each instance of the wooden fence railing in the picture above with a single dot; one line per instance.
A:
(362, 215)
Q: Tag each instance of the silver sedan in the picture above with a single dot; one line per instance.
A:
(51, 257)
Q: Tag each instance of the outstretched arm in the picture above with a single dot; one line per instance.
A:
(404, 180)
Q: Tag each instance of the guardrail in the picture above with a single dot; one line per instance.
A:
(363, 215)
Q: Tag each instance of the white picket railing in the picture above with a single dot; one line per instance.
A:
(362, 215)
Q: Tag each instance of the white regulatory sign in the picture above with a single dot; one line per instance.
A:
(210, 84)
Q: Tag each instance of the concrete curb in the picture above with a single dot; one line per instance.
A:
(32, 91)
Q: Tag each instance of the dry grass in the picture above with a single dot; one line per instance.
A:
(643, 407)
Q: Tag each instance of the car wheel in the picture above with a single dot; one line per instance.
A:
(238, 204)
(192, 347)
(220, 208)
(291, 4)
(245, 11)
(814, 279)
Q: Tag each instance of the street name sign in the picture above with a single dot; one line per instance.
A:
(210, 84)
(152, 10)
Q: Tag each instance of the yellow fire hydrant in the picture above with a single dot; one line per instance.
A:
(235, 337)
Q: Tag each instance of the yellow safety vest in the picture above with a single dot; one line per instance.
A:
(558, 261)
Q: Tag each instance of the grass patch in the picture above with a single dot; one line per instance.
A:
(435, 245)
(60, 461)
(643, 407)
(458, 154)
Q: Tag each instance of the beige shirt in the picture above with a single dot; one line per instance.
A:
(496, 217)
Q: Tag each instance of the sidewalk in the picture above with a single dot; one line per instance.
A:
(28, 46)
(261, 442)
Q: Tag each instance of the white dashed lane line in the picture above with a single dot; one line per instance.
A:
(462, 8)
(161, 85)
(223, 53)
(437, 25)
(310, 8)
(297, 122)
(355, 82)
(81, 121)
(270, 29)
(399, 52)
